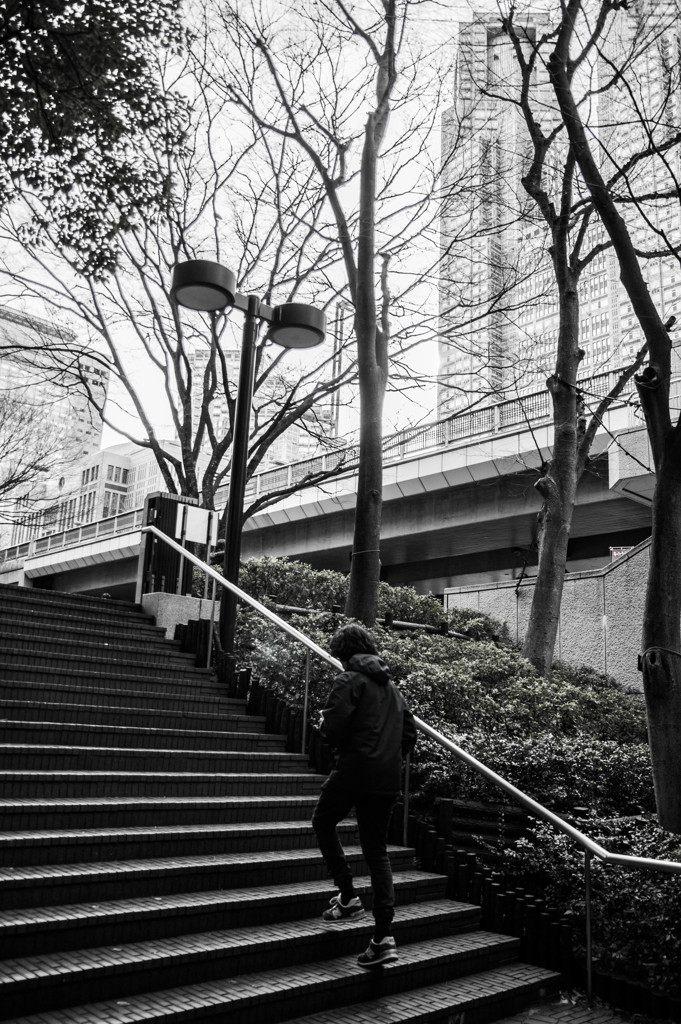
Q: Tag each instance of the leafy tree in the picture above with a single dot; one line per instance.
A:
(83, 115)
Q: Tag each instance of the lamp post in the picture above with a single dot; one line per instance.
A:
(207, 286)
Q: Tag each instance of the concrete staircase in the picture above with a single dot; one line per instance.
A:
(157, 862)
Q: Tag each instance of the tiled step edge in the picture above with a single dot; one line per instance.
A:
(257, 998)
(477, 999)
(63, 978)
(111, 880)
(32, 930)
(69, 846)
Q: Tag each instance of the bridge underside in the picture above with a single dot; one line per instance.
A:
(482, 531)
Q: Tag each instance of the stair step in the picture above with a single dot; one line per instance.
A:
(28, 670)
(257, 998)
(73, 846)
(181, 700)
(69, 734)
(91, 759)
(80, 647)
(111, 880)
(28, 931)
(476, 999)
(61, 979)
(70, 612)
(34, 597)
(139, 785)
(113, 812)
(101, 660)
(80, 625)
(142, 718)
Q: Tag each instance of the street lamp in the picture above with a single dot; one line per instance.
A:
(204, 285)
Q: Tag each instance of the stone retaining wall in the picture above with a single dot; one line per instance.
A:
(601, 615)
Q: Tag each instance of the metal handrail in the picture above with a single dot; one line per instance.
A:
(291, 630)
(669, 866)
(287, 627)
(591, 848)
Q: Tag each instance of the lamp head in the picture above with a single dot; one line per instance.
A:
(202, 284)
(296, 325)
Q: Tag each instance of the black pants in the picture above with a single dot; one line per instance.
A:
(373, 819)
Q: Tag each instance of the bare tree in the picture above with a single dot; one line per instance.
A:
(352, 86)
(627, 197)
(575, 240)
(181, 369)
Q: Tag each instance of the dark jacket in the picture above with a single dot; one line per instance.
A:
(369, 726)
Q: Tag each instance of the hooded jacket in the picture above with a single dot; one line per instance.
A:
(369, 726)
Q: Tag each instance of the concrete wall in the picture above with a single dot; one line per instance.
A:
(601, 614)
(169, 610)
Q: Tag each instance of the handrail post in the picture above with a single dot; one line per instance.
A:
(587, 904)
(305, 699)
(405, 817)
(211, 627)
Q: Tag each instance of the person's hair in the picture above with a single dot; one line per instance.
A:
(349, 640)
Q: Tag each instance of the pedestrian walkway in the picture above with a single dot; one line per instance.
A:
(566, 1011)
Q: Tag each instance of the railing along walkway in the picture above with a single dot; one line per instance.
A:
(591, 849)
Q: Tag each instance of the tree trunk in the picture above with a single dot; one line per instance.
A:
(661, 639)
(362, 600)
(558, 486)
(372, 362)
(558, 489)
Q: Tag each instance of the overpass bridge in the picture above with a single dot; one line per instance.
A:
(459, 507)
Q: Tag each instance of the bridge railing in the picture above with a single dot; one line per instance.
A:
(533, 408)
(125, 522)
(589, 847)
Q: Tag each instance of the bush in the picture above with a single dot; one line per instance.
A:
(565, 745)
(405, 605)
(478, 625)
(569, 741)
(293, 583)
(635, 913)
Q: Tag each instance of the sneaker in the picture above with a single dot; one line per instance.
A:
(378, 953)
(341, 911)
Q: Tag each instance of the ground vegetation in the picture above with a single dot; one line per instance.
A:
(575, 740)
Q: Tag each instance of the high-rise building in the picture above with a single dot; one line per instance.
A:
(300, 441)
(49, 378)
(498, 302)
(105, 483)
(37, 364)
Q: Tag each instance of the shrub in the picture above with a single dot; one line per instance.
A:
(635, 913)
(566, 746)
(293, 583)
(569, 741)
(477, 625)
(405, 605)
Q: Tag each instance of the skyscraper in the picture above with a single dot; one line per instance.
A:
(47, 377)
(41, 363)
(498, 299)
